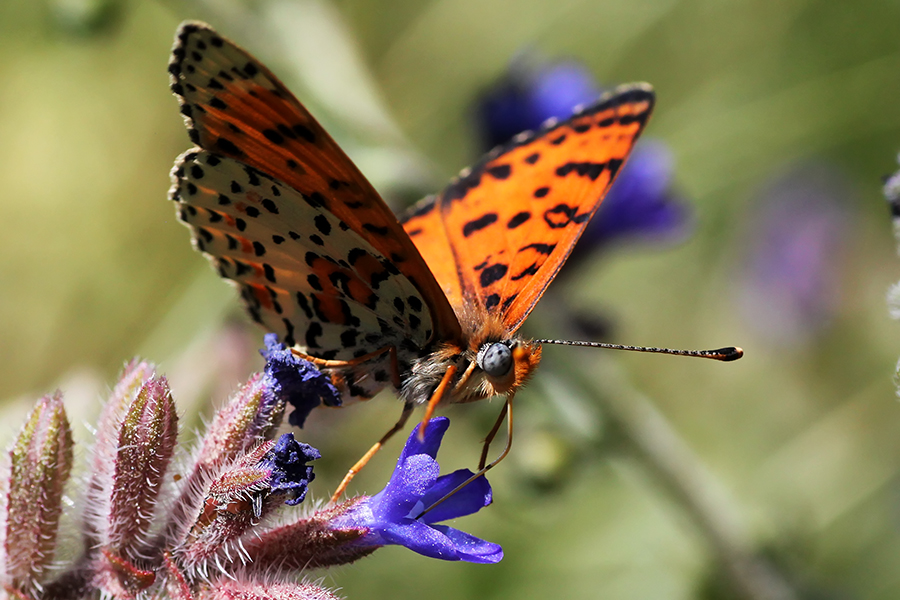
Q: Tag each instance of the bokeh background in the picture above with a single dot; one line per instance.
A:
(632, 476)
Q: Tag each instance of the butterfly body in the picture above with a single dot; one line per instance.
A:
(431, 301)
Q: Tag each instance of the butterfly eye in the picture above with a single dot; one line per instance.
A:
(495, 359)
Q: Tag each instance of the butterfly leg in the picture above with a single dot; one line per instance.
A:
(328, 363)
(439, 392)
(404, 416)
(482, 469)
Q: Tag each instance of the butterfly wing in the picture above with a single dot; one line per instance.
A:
(499, 233)
(235, 108)
(301, 271)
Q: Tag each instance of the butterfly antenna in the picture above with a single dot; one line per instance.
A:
(723, 354)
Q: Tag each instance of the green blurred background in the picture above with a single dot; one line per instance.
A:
(789, 457)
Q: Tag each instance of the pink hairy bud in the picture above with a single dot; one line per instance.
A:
(234, 502)
(146, 442)
(314, 542)
(251, 416)
(99, 485)
(248, 590)
(40, 461)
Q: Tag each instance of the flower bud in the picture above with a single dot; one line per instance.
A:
(103, 463)
(244, 493)
(251, 416)
(40, 461)
(145, 446)
(250, 590)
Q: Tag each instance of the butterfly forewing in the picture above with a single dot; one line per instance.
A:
(236, 108)
(301, 271)
(508, 224)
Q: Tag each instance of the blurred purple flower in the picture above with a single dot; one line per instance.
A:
(393, 515)
(640, 204)
(528, 95)
(298, 381)
(791, 280)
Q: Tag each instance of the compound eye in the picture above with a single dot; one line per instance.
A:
(496, 360)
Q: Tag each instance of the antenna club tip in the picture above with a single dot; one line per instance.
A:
(731, 353)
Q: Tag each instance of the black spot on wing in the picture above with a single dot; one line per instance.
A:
(531, 269)
(376, 229)
(312, 332)
(614, 165)
(420, 210)
(546, 249)
(457, 190)
(518, 219)
(499, 171)
(303, 303)
(289, 335)
(228, 147)
(305, 132)
(559, 216)
(492, 274)
(348, 338)
(507, 302)
(322, 224)
(479, 224)
(591, 170)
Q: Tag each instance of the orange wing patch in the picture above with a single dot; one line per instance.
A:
(425, 227)
(508, 224)
(234, 106)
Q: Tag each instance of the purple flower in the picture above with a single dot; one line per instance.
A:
(290, 474)
(393, 515)
(797, 240)
(297, 380)
(640, 204)
(529, 95)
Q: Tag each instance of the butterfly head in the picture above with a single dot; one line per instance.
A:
(500, 367)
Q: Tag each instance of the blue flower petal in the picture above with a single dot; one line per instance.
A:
(470, 548)
(422, 538)
(389, 516)
(466, 501)
(434, 435)
(407, 486)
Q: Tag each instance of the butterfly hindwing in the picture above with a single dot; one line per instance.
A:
(236, 108)
(302, 272)
(509, 223)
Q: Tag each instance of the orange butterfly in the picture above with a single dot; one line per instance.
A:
(430, 304)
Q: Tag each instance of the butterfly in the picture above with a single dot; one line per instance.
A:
(429, 304)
